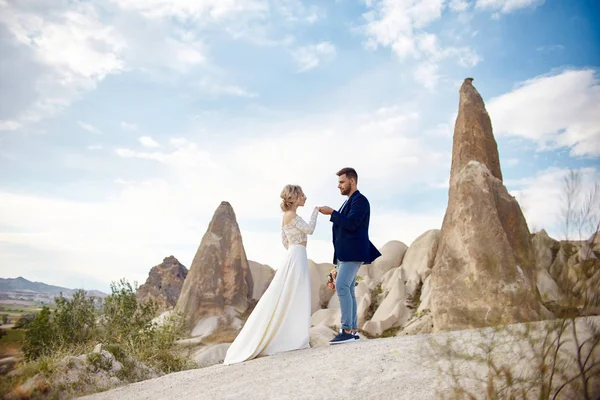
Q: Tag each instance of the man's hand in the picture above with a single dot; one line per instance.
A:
(326, 210)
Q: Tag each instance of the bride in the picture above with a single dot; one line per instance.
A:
(281, 319)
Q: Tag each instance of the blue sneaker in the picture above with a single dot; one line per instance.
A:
(343, 337)
(356, 336)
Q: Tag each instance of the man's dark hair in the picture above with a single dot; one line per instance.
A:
(349, 172)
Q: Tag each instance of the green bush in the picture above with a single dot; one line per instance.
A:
(75, 319)
(122, 324)
(124, 318)
(40, 336)
(24, 321)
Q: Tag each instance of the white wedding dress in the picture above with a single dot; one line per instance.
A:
(281, 319)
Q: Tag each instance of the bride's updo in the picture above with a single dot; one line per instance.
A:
(290, 195)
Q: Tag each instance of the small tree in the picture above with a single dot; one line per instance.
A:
(40, 336)
(24, 321)
(124, 316)
(75, 319)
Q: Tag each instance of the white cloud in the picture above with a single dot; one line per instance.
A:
(427, 75)
(541, 199)
(459, 5)
(76, 49)
(186, 54)
(215, 11)
(507, 6)
(128, 126)
(215, 89)
(311, 56)
(89, 127)
(78, 44)
(95, 147)
(137, 223)
(402, 225)
(397, 24)
(185, 154)
(402, 27)
(550, 48)
(147, 141)
(559, 110)
(195, 10)
(8, 125)
(75, 43)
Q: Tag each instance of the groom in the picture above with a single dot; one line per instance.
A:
(352, 248)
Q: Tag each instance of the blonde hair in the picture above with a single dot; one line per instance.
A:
(290, 195)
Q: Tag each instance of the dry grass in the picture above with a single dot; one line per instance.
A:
(11, 343)
(227, 335)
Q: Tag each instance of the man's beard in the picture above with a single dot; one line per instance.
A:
(345, 191)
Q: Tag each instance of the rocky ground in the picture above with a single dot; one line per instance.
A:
(392, 368)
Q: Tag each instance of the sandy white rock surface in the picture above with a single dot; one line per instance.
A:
(375, 369)
(390, 368)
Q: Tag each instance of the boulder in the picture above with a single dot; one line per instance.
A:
(262, 275)
(392, 254)
(418, 261)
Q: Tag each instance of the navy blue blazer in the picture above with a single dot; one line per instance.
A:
(351, 231)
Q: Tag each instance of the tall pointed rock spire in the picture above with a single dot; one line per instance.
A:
(219, 276)
(483, 273)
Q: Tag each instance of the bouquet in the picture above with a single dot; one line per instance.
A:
(331, 279)
(333, 274)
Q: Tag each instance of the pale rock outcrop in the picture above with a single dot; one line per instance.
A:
(164, 283)
(96, 371)
(418, 261)
(219, 276)
(392, 312)
(418, 326)
(392, 254)
(207, 325)
(577, 278)
(262, 275)
(320, 335)
(211, 355)
(545, 249)
(484, 270)
(320, 293)
(549, 290)
(326, 317)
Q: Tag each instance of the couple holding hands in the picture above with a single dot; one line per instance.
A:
(281, 319)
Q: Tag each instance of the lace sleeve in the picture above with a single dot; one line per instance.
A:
(303, 226)
(284, 239)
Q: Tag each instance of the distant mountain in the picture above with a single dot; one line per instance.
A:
(22, 284)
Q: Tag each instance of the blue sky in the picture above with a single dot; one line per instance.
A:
(124, 124)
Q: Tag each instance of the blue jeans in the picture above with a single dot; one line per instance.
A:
(344, 286)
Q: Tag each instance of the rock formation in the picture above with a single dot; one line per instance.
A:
(219, 276)
(164, 283)
(484, 272)
(392, 311)
(568, 272)
(392, 254)
(418, 261)
(320, 293)
(262, 275)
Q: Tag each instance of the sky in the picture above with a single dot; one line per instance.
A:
(124, 124)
